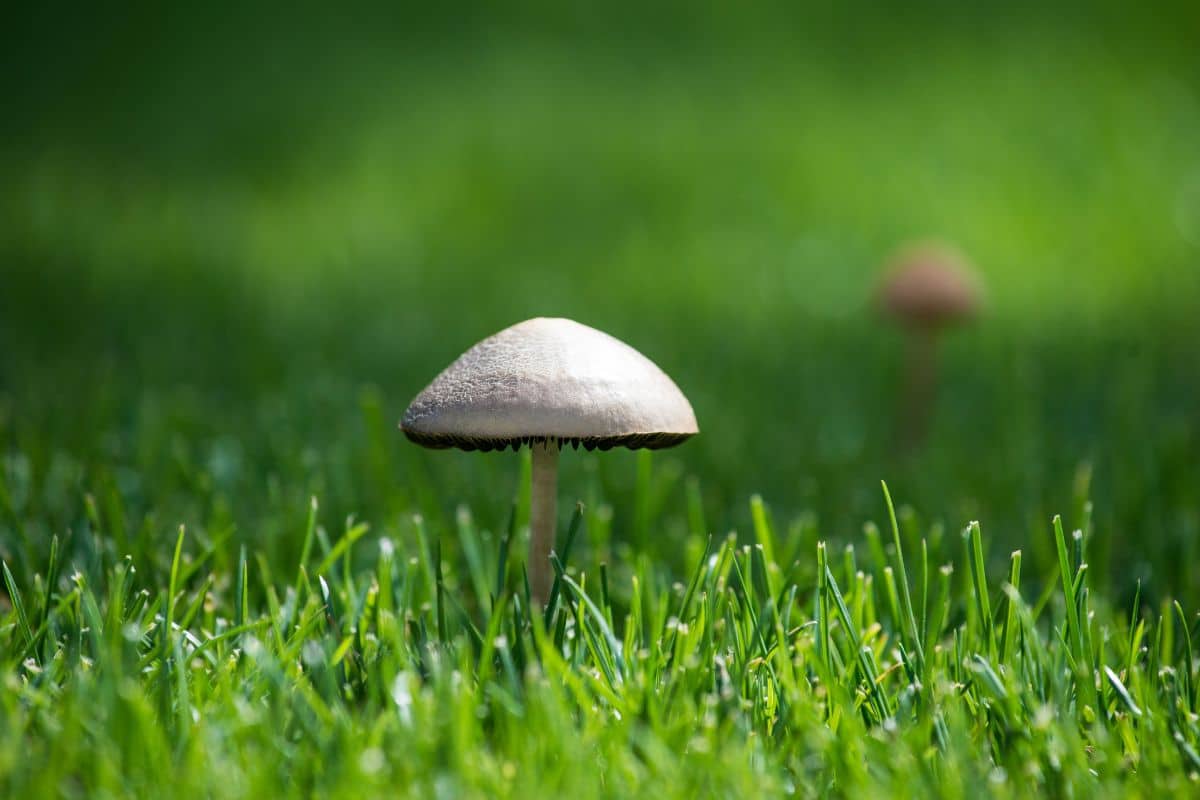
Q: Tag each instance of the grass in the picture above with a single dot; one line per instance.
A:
(779, 667)
(205, 324)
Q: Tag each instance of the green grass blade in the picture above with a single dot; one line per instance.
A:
(979, 583)
(902, 575)
(1007, 643)
(306, 547)
(18, 604)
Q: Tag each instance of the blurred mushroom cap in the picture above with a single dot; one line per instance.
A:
(550, 380)
(930, 285)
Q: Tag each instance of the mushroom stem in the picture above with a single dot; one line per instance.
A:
(542, 516)
(921, 387)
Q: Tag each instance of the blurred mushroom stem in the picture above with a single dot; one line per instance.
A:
(920, 388)
(542, 517)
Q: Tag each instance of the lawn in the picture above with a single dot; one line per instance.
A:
(222, 280)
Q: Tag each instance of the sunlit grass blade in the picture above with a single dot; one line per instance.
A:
(1189, 661)
(1008, 641)
(865, 659)
(1122, 693)
(1074, 628)
(18, 604)
(307, 544)
(242, 590)
(979, 584)
(909, 619)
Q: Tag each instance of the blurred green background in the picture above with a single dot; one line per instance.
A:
(234, 244)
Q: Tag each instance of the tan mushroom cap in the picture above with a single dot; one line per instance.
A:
(929, 285)
(550, 380)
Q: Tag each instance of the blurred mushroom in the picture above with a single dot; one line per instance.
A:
(548, 383)
(926, 288)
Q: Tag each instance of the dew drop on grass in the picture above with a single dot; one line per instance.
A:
(371, 761)
(402, 697)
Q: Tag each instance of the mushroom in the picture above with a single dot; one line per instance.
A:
(927, 288)
(548, 383)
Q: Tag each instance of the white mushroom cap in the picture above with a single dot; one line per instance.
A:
(550, 380)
